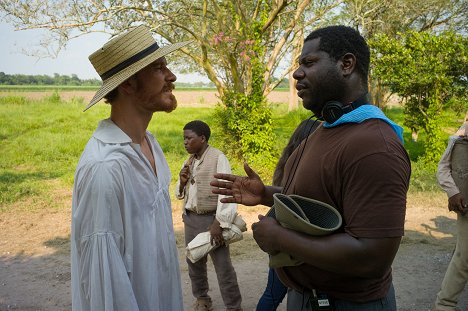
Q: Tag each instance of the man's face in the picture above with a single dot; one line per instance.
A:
(193, 143)
(319, 77)
(154, 85)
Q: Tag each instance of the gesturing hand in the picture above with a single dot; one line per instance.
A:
(247, 190)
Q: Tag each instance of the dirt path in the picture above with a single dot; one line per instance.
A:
(35, 268)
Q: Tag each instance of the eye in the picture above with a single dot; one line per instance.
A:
(307, 62)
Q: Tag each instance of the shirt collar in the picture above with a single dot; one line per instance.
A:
(109, 133)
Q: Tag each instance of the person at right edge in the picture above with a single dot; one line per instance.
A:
(452, 174)
(355, 162)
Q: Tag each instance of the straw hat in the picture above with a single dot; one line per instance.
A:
(125, 55)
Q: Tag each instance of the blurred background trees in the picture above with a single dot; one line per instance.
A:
(246, 48)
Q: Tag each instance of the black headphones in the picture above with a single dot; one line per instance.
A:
(333, 110)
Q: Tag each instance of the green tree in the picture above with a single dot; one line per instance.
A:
(239, 45)
(430, 73)
(390, 17)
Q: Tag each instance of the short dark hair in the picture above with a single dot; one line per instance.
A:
(336, 41)
(110, 97)
(199, 127)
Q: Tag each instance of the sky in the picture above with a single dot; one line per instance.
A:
(71, 60)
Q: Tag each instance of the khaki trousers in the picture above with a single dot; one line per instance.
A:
(456, 275)
(227, 278)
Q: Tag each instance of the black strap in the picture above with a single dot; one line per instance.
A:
(129, 61)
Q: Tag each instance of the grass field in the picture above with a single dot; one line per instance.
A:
(41, 141)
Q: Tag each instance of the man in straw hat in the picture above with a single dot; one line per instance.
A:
(354, 162)
(123, 249)
(452, 174)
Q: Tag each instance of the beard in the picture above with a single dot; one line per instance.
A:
(174, 104)
(329, 87)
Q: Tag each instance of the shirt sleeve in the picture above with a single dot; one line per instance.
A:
(103, 275)
(444, 170)
(225, 212)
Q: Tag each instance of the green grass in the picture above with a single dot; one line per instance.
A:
(41, 142)
(43, 88)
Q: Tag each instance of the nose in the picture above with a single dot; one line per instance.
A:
(298, 74)
(170, 76)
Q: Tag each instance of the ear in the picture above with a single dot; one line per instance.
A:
(129, 86)
(348, 64)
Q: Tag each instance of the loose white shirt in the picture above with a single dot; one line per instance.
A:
(123, 249)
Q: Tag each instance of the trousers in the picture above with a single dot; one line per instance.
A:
(301, 302)
(273, 294)
(456, 275)
(227, 277)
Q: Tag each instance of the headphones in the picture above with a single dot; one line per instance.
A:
(333, 110)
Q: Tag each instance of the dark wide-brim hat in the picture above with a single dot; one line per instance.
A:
(304, 215)
(125, 55)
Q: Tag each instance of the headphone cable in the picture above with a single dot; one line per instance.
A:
(298, 157)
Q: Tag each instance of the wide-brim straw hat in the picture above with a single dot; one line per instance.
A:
(125, 55)
(304, 215)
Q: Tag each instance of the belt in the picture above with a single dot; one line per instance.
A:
(201, 212)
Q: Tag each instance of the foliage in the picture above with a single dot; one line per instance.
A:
(429, 72)
(229, 38)
(41, 142)
(57, 79)
(391, 17)
(245, 118)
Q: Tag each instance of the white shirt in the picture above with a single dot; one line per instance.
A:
(123, 249)
(225, 212)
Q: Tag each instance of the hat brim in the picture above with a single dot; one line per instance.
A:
(110, 84)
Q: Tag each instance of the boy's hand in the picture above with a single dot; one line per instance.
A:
(184, 175)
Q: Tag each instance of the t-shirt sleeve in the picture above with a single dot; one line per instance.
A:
(374, 191)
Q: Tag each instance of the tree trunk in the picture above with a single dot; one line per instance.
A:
(293, 99)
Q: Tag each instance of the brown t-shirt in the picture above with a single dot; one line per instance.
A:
(363, 171)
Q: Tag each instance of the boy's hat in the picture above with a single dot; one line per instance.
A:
(125, 55)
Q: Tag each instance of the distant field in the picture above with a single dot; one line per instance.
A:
(186, 97)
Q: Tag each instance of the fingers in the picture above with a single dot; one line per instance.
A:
(228, 200)
(253, 226)
(250, 172)
(228, 177)
(217, 240)
(221, 184)
(221, 191)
